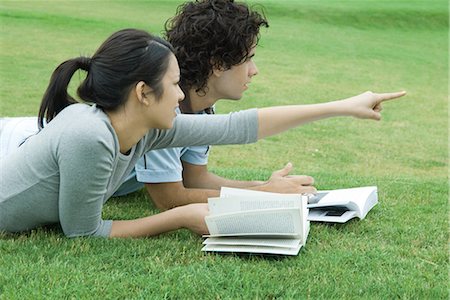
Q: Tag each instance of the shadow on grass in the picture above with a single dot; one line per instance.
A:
(48, 230)
(252, 256)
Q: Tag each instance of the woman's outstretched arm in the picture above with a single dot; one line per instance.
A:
(274, 120)
(250, 125)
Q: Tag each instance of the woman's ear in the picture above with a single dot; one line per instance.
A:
(141, 94)
(139, 90)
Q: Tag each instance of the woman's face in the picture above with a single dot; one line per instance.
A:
(162, 111)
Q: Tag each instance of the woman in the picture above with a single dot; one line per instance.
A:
(68, 171)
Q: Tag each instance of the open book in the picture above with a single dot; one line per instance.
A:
(257, 223)
(339, 206)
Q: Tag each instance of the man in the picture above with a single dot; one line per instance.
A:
(215, 42)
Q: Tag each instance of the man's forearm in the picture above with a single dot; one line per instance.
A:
(214, 182)
(165, 197)
(193, 195)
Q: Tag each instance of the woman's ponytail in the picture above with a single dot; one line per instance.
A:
(125, 58)
(56, 97)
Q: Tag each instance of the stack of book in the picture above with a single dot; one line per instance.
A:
(257, 222)
(271, 223)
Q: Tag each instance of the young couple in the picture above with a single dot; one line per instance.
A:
(137, 82)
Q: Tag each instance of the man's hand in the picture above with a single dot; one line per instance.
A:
(282, 182)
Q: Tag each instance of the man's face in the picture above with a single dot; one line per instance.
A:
(232, 83)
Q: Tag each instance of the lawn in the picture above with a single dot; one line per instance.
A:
(314, 51)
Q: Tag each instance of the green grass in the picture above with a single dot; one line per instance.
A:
(314, 51)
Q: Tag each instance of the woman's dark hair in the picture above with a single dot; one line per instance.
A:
(125, 58)
(209, 34)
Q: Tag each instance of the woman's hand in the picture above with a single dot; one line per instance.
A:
(368, 104)
(193, 217)
(276, 119)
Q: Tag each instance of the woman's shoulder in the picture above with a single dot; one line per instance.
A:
(84, 112)
(84, 116)
(84, 123)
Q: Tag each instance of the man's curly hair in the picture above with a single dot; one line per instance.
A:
(209, 34)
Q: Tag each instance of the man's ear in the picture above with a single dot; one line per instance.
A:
(217, 72)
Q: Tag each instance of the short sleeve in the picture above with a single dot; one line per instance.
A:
(157, 166)
(196, 155)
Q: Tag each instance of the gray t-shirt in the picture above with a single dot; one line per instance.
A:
(68, 171)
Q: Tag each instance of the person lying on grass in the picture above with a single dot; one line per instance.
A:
(65, 173)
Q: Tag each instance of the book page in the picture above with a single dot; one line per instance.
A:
(252, 249)
(306, 228)
(323, 215)
(271, 221)
(227, 192)
(371, 201)
(313, 199)
(353, 199)
(246, 203)
(257, 235)
(283, 243)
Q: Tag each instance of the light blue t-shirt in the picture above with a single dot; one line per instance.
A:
(163, 165)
